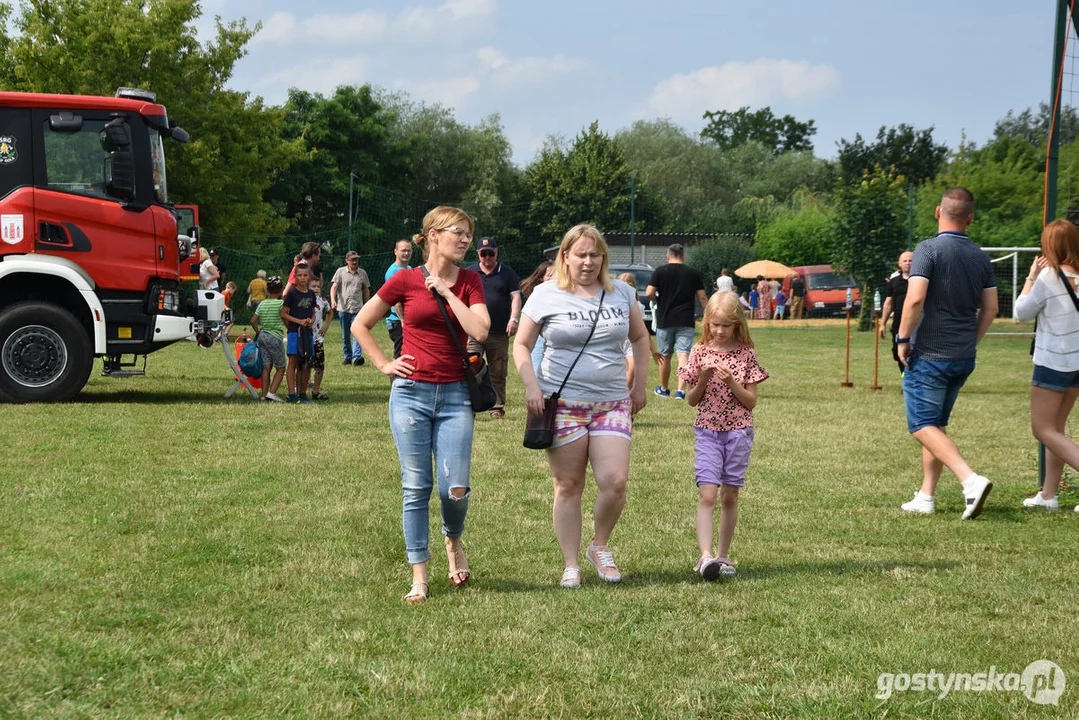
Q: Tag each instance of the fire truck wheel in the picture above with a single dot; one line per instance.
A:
(45, 354)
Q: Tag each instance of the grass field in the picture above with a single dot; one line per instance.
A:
(165, 551)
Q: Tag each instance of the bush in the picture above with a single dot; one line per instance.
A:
(711, 256)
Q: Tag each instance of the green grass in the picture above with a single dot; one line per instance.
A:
(165, 551)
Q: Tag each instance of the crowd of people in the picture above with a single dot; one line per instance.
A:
(576, 330)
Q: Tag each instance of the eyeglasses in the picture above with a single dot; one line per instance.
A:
(458, 232)
(487, 253)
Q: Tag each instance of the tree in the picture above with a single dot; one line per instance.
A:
(95, 46)
(908, 152)
(346, 138)
(1034, 129)
(869, 231)
(589, 182)
(711, 256)
(732, 129)
(799, 234)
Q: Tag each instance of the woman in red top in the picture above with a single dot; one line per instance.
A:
(430, 411)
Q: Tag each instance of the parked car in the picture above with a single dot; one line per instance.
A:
(826, 290)
(643, 273)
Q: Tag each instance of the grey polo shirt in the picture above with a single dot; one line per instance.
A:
(350, 288)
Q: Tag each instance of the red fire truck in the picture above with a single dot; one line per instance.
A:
(90, 256)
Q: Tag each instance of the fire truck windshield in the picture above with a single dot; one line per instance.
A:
(157, 155)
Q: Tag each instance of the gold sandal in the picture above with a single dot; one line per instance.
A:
(459, 570)
(417, 593)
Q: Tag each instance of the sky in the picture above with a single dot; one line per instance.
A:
(553, 67)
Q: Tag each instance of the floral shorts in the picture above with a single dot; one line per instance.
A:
(576, 419)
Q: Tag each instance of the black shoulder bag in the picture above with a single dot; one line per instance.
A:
(539, 429)
(481, 392)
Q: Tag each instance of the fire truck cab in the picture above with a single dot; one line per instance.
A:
(90, 257)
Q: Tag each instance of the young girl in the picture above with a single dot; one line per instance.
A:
(723, 375)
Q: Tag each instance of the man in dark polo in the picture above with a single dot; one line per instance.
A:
(951, 302)
(503, 292)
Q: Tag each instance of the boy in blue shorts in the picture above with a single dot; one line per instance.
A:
(298, 312)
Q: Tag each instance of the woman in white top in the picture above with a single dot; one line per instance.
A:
(595, 410)
(1056, 351)
(207, 271)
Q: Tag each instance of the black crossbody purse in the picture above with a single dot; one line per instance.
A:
(481, 391)
(539, 429)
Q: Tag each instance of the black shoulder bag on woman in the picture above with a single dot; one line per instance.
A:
(481, 392)
(539, 429)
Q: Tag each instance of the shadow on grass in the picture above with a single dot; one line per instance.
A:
(767, 572)
(217, 396)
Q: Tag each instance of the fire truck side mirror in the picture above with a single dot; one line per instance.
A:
(65, 121)
(120, 175)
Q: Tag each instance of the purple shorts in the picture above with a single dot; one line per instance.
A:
(723, 456)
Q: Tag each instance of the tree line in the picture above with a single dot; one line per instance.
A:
(259, 170)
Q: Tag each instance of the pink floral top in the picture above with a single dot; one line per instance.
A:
(719, 409)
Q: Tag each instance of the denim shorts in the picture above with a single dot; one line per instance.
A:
(1055, 380)
(930, 388)
(675, 340)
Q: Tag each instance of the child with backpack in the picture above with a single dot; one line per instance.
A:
(270, 327)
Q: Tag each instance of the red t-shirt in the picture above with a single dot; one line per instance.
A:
(426, 336)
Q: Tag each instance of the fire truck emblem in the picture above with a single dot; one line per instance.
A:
(8, 153)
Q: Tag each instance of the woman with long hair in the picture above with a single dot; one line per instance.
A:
(583, 312)
(543, 272)
(430, 412)
(1049, 295)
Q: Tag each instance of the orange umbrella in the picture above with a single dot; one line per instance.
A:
(767, 268)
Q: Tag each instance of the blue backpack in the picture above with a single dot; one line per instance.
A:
(250, 360)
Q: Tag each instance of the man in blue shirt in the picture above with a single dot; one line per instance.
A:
(402, 253)
(502, 291)
(951, 302)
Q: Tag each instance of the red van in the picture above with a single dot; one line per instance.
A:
(826, 291)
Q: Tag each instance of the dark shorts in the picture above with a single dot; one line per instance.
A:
(292, 345)
(1055, 380)
(930, 388)
(318, 360)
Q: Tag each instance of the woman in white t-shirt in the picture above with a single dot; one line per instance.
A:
(207, 271)
(595, 410)
(1055, 384)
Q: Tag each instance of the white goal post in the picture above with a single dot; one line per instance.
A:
(1010, 265)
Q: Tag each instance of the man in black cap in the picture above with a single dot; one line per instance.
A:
(503, 294)
(221, 280)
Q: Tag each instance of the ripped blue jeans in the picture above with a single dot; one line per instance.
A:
(431, 420)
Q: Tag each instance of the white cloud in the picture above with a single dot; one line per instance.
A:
(320, 76)
(451, 92)
(448, 21)
(506, 74)
(736, 84)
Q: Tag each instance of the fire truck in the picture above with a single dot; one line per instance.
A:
(91, 260)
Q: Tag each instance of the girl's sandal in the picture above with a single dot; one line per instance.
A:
(459, 571)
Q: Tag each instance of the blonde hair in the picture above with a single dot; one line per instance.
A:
(724, 305)
(1060, 244)
(575, 233)
(629, 279)
(440, 217)
(203, 255)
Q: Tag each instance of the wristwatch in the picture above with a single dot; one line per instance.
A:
(902, 341)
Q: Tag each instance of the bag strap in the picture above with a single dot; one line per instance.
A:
(590, 333)
(1069, 288)
(449, 324)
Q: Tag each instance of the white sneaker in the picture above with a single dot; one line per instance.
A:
(921, 503)
(975, 490)
(1038, 501)
(571, 578)
(1077, 508)
(273, 397)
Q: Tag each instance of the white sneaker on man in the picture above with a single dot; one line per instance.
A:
(921, 503)
(975, 489)
(1049, 504)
